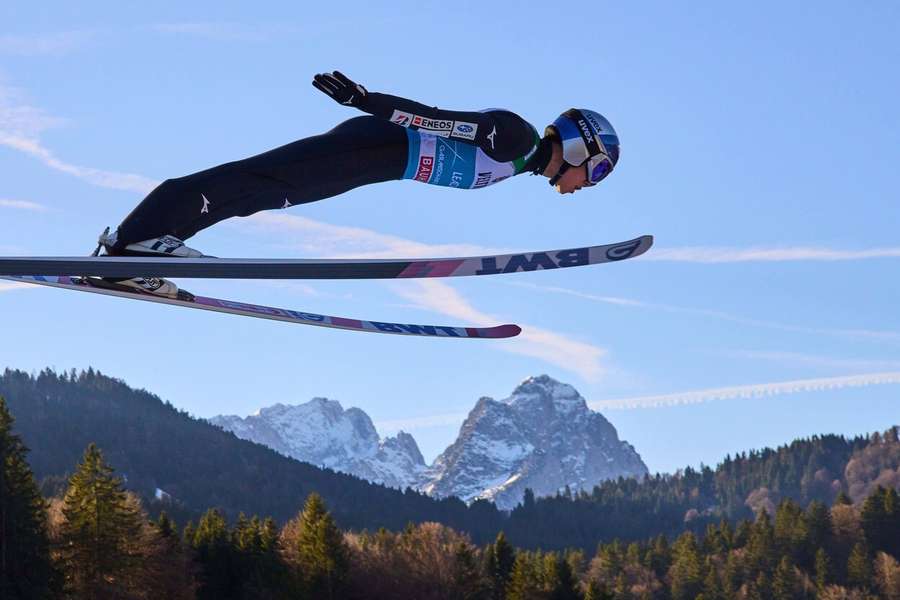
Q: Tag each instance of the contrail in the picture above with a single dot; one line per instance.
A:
(750, 391)
(732, 255)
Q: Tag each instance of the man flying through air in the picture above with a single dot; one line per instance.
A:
(399, 139)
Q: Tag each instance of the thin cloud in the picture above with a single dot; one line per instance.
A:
(44, 44)
(810, 360)
(22, 205)
(21, 126)
(713, 314)
(415, 423)
(435, 296)
(749, 391)
(10, 286)
(693, 397)
(566, 353)
(701, 254)
(337, 241)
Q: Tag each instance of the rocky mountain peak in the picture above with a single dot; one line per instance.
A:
(322, 433)
(543, 437)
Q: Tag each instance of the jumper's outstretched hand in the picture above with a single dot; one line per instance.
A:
(341, 88)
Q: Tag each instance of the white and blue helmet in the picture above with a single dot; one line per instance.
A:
(587, 139)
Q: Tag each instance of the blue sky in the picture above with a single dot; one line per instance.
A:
(759, 145)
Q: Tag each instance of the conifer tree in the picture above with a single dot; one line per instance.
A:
(25, 568)
(321, 550)
(213, 552)
(525, 580)
(823, 569)
(659, 557)
(467, 581)
(785, 583)
(500, 557)
(686, 571)
(859, 567)
(165, 525)
(712, 589)
(762, 589)
(818, 525)
(892, 520)
(874, 520)
(559, 582)
(99, 529)
(732, 576)
(761, 545)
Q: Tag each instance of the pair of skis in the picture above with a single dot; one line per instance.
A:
(57, 272)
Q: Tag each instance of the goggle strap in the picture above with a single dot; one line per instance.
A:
(562, 170)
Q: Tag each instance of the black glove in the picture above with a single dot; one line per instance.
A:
(341, 88)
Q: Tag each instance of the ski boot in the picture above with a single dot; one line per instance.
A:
(166, 245)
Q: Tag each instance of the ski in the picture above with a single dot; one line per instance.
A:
(258, 268)
(275, 314)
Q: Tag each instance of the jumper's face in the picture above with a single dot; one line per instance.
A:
(572, 180)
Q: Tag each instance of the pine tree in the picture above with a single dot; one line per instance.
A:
(761, 545)
(818, 525)
(165, 525)
(524, 582)
(100, 526)
(892, 520)
(686, 573)
(467, 581)
(785, 584)
(859, 567)
(823, 569)
(215, 557)
(712, 590)
(499, 564)
(25, 568)
(322, 552)
(559, 583)
(762, 589)
(732, 576)
(874, 520)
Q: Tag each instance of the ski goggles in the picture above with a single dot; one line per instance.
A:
(598, 167)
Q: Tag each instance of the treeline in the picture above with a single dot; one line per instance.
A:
(154, 445)
(96, 541)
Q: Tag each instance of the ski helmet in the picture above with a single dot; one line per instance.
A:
(587, 139)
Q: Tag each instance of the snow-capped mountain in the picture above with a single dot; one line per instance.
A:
(322, 433)
(542, 437)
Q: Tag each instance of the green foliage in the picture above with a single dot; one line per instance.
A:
(499, 559)
(99, 530)
(686, 573)
(321, 550)
(785, 585)
(200, 465)
(25, 567)
(859, 567)
(823, 569)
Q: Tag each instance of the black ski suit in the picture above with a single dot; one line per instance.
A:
(402, 140)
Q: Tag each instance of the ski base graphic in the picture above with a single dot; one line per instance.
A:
(275, 314)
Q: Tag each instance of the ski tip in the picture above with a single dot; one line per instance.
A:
(503, 331)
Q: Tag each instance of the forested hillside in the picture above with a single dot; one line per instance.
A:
(153, 445)
(96, 541)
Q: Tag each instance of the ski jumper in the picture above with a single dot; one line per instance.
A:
(401, 140)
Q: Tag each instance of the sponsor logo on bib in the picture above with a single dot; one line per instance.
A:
(401, 118)
(426, 165)
(464, 130)
(439, 127)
